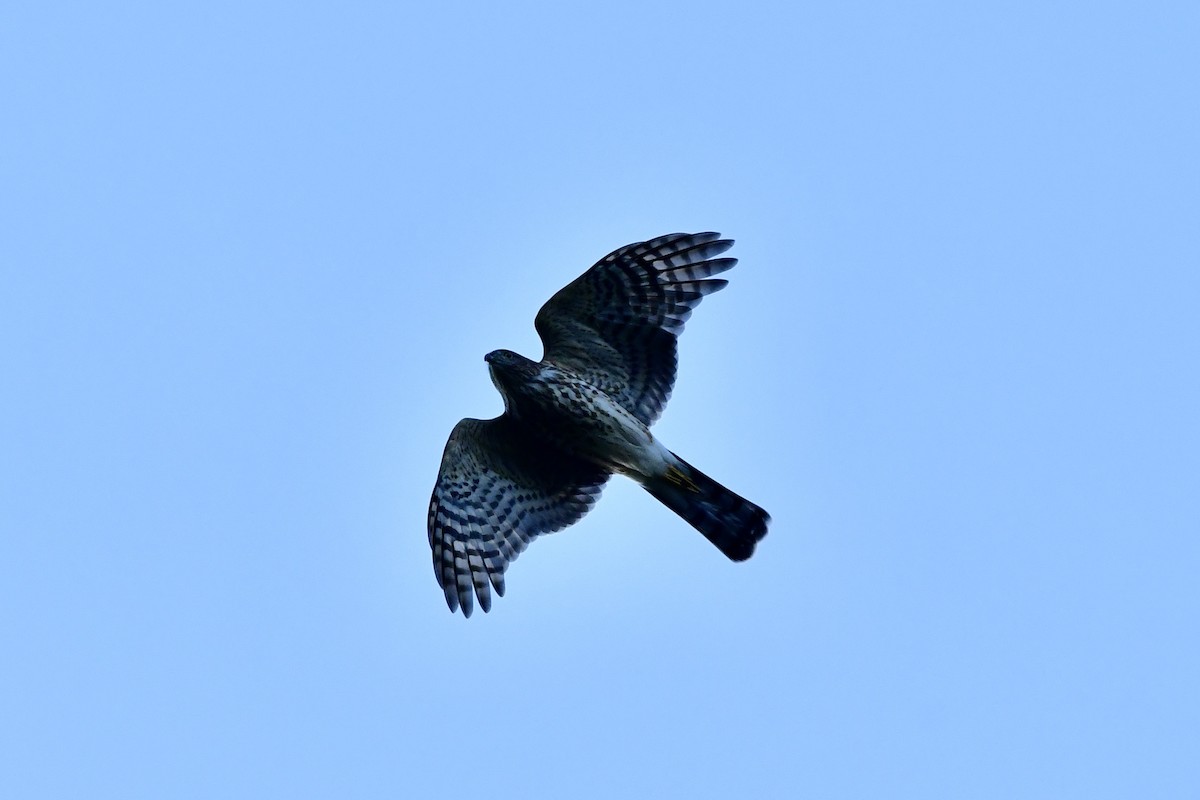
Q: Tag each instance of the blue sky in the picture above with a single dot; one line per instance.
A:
(254, 253)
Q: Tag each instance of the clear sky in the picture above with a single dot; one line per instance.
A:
(252, 255)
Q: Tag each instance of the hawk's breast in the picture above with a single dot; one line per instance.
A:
(591, 424)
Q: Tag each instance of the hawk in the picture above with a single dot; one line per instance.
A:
(579, 415)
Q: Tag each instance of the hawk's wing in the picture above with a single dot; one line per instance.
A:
(616, 324)
(495, 492)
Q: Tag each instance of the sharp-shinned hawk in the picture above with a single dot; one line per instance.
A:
(579, 415)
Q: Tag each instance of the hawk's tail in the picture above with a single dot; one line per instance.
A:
(729, 521)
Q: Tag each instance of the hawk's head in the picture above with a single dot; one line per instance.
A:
(507, 359)
(509, 370)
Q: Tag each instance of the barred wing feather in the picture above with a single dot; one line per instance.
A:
(616, 325)
(495, 492)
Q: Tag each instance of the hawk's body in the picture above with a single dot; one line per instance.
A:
(579, 415)
(566, 411)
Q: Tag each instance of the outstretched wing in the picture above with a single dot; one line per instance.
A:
(616, 324)
(495, 492)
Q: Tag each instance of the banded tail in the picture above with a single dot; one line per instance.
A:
(730, 521)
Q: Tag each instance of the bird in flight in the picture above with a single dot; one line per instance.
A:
(579, 415)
